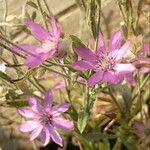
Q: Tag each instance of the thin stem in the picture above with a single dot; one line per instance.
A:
(141, 86)
(7, 48)
(37, 82)
(114, 100)
(35, 85)
(41, 12)
(50, 13)
(99, 21)
(5, 14)
(52, 70)
(140, 4)
(139, 94)
(122, 11)
(8, 41)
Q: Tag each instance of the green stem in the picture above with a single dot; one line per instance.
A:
(99, 21)
(141, 86)
(50, 13)
(41, 12)
(114, 100)
(37, 82)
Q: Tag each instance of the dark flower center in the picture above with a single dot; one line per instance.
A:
(105, 63)
(46, 118)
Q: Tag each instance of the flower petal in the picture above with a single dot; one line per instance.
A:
(86, 54)
(55, 135)
(101, 45)
(112, 77)
(35, 105)
(95, 78)
(147, 48)
(144, 70)
(48, 99)
(45, 136)
(119, 54)
(82, 65)
(26, 49)
(130, 79)
(124, 68)
(115, 41)
(35, 133)
(63, 124)
(37, 30)
(29, 126)
(55, 29)
(58, 110)
(33, 62)
(26, 112)
(38, 59)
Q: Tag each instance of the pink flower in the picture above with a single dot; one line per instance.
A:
(144, 59)
(36, 55)
(44, 119)
(106, 63)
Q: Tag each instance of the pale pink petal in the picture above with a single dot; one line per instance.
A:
(144, 70)
(81, 80)
(112, 77)
(82, 65)
(130, 78)
(33, 62)
(48, 100)
(122, 51)
(55, 29)
(95, 78)
(26, 112)
(45, 136)
(63, 124)
(86, 54)
(124, 68)
(59, 85)
(147, 48)
(37, 30)
(115, 41)
(35, 105)
(55, 135)
(29, 126)
(35, 133)
(101, 45)
(26, 49)
(58, 110)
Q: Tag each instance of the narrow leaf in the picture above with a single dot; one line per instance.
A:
(76, 42)
(82, 121)
(5, 76)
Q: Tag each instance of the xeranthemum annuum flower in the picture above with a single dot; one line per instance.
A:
(106, 63)
(44, 119)
(36, 55)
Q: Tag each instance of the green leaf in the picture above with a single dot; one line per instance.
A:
(32, 4)
(86, 143)
(106, 144)
(33, 15)
(82, 120)
(93, 18)
(5, 76)
(18, 103)
(126, 95)
(26, 76)
(76, 42)
(96, 136)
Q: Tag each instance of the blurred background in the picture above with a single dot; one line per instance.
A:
(72, 21)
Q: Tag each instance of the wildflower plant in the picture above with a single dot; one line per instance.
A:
(91, 94)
